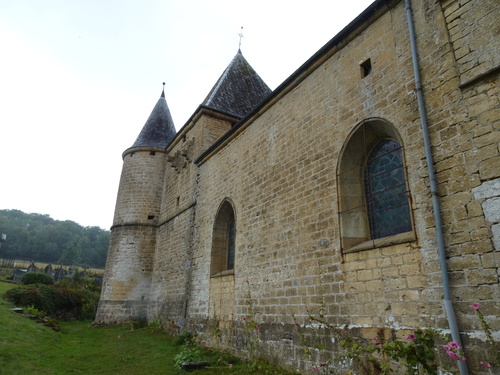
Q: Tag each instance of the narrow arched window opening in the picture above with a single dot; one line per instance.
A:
(223, 241)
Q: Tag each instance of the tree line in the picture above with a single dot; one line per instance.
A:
(38, 237)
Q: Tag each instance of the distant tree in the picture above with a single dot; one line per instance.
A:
(72, 255)
(41, 238)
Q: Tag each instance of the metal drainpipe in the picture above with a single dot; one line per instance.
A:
(452, 321)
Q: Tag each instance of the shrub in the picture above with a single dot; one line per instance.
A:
(189, 353)
(37, 278)
(58, 301)
(24, 295)
(184, 337)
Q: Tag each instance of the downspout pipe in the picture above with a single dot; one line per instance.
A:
(452, 321)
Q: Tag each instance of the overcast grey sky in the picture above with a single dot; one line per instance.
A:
(79, 78)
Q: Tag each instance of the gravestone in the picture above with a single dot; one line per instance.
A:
(60, 274)
(32, 267)
(18, 274)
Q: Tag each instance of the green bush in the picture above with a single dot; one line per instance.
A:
(189, 353)
(37, 278)
(184, 337)
(58, 301)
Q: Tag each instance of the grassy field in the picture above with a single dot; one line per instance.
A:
(78, 348)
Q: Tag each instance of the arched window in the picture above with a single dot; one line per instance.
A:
(223, 241)
(373, 195)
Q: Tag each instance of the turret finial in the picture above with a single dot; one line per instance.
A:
(163, 91)
(241, 36)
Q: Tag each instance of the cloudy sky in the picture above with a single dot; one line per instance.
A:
(79, 78)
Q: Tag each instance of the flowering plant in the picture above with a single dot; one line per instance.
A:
(454, 351)
(416, 353)
(494, 359)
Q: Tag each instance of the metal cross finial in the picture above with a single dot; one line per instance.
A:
(241, 36)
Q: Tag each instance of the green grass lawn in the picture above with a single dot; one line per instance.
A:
(78, 348)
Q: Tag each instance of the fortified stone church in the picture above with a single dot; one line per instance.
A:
(366, 187)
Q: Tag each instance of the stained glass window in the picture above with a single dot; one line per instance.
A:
(385, 191)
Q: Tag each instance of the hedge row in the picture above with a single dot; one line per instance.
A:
(59, 301)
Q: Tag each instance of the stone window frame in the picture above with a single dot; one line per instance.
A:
(222, 252)
(352, 207)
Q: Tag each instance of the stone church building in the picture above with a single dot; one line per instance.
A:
(366, 188)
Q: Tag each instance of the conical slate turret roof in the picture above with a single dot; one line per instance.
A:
(238, 90)
(159, 129)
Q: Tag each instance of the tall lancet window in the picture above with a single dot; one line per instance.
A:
(223, 241)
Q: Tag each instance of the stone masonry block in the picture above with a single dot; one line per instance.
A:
(488, 189)
(495, 229)
(491, 208)
(489, 168)
(482, 276)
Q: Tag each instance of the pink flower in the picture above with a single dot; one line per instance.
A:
(132, 329)
(244, 318)
(411, 336)
(230, 365)
(485, 364)
(257, 329)
(314, 368)
(379, 346)
(246, 280)
(475, 306)
(446, 347)
(454, 345)
(375, 339)
(452, 355)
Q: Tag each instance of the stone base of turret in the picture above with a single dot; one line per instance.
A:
(113, 312)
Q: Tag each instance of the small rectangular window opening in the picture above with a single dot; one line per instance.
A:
(366, 68)
(151, 217)
(152, 153)
(178, 201)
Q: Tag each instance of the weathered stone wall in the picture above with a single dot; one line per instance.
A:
(280, 172)
(129, 265)
(474, 33)
(175, 262)
(127, 280)
(140, 192)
